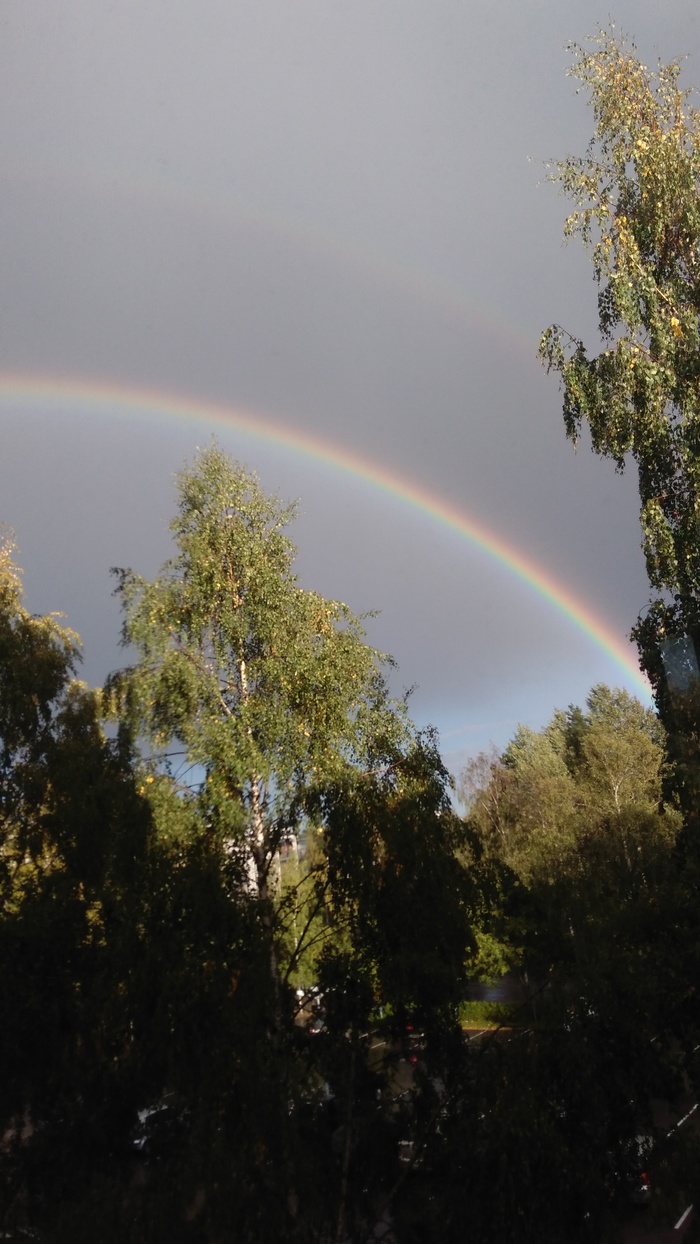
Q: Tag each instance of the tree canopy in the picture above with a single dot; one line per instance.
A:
(636, 199)
(636, 195)
(74, 869)
(269, 688)
(239, 926)
(571, 820)
(637, 206)
(263, 840)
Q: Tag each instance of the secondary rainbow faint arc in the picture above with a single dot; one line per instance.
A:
(31, 391)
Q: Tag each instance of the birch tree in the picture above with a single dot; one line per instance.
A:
(267, 691)
(637, 208)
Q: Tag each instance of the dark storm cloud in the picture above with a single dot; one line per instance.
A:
(324, 212)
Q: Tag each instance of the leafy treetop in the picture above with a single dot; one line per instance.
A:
(270, 688)
(637, 206)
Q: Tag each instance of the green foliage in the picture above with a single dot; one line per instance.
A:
(37, 659)
(304, 835)
(483, 1014)
(286, 826)
(159, 910)
(637, 206)
(269, 688)
(572, 816)
(74, 837)
(626, 893)
(588, 785)
(393, 844)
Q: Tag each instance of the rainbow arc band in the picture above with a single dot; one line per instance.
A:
(32, 392)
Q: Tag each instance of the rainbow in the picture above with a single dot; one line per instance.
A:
(29, 392)
(221, 210)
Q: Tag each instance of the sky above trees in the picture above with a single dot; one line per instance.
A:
(324, 216)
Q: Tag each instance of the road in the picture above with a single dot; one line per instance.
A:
(640, 1231)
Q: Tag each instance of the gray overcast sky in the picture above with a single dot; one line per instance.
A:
(321, 211)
